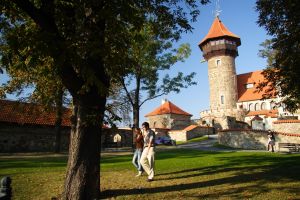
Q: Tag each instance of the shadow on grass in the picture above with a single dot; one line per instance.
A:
(263, 170)
(16, 163)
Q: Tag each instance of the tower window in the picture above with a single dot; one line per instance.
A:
(222, 99)
(263, 106)
(256, 106)
(218, 62)
(249, 85)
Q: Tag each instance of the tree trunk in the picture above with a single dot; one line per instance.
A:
(136, 106)
(58, 119)
(83, 171)
(136, 115)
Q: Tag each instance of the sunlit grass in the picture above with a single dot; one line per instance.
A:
(180, 174)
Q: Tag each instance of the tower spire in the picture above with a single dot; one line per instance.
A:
(217, 9)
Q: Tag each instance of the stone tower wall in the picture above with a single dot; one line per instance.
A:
(170, 121)
(222, 82)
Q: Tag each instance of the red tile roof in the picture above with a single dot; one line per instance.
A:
(28, 113)
(268, 113)
(190, 127)
(217, 30)
(257, 118)
(167, 108)
(250, 94)
(286, 121)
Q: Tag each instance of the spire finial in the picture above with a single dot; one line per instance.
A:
(217, 11)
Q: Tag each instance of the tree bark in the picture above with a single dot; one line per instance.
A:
(136, 101)
(136, 115)
(83, 171)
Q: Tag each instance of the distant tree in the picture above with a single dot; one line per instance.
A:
(281, 19)
(118, 108)
(151, 55)
(88, 42)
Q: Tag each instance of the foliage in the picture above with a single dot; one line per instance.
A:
(118, 108)
(281, 20)
(152, 55)
(41, 78)
(88, 42)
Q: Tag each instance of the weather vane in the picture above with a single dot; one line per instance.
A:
(217, 11)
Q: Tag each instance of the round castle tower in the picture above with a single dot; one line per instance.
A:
(219, 49)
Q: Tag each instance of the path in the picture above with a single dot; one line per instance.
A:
(205, 145)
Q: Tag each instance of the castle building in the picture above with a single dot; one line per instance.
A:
(234, 97)
(220, 48)
(169, 116)
(169, 119)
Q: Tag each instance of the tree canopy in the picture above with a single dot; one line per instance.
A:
(88, 42)
(152, 55)
(281, 20)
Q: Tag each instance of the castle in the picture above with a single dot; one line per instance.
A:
(234, 99)
(233, 95)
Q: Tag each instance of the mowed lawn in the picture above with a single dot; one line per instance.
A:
(180, 174)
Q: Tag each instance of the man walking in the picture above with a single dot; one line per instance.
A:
(147, 158)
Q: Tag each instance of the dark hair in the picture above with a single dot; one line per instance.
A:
(137, 130)
(146, 124)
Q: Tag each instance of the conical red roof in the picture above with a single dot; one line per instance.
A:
(167, 108)
(218, 29)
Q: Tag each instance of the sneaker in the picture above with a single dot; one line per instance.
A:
(139, 174)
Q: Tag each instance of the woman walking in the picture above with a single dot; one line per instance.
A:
(139, 144)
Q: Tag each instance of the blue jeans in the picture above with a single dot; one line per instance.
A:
(136, 159)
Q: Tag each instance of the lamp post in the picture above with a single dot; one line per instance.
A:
(207, 131)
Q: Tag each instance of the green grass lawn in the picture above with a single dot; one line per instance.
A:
(180, 174)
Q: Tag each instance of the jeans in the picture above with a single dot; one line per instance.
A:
(136, 159)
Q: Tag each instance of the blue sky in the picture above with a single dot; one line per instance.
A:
(240, 17)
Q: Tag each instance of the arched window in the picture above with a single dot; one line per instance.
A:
(117, 138)
(251, 106)
(218, 62)
(263, 106)
(256, 107)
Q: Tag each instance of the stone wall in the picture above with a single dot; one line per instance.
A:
(30, 138)
(180, 121)
(178, 135)
(222, 82)
(169, 121)
(287, 126)
(108, 138)
(198, 132)
(253, 139)
(18, 138)
(184, 135)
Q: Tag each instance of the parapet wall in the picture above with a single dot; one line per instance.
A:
(184, 135)
(287, 126)
(253, 139)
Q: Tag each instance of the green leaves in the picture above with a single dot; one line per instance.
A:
(281, 20)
